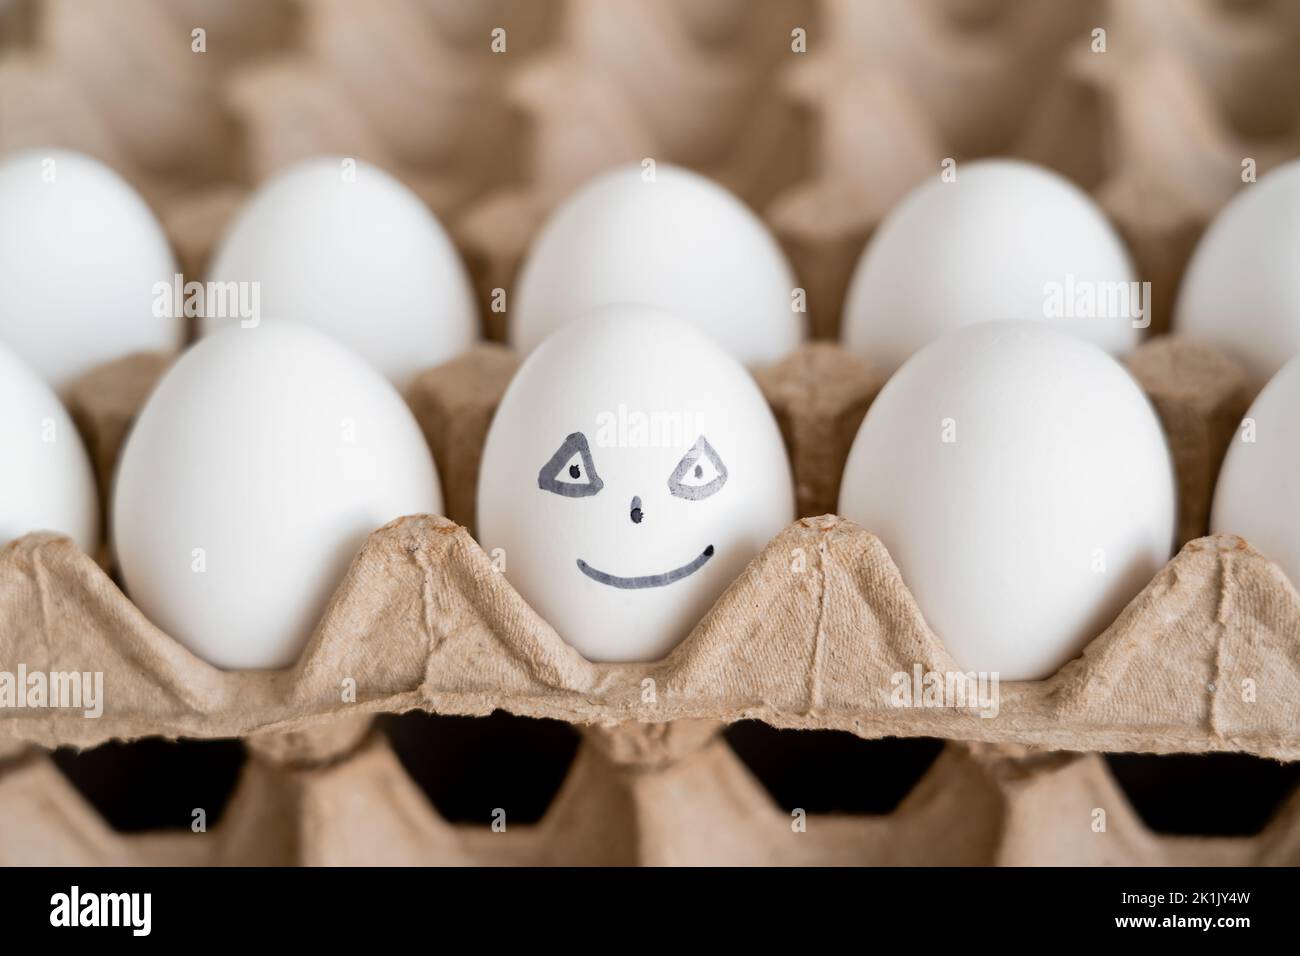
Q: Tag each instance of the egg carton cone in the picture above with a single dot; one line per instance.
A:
(416, 87)
(17, 23)
(126, 84)
(687, 83)
(1198, 101)
(813, 634)
(137, 84)
(891, 90)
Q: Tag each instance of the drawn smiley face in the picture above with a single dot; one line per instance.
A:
(632, 471)
(571, 473)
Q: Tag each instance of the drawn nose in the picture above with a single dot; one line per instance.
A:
(636, 514)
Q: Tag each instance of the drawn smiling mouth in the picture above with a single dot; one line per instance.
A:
(647, 580)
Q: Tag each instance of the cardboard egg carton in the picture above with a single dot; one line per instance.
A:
(812, 635)
(123, 83)
(688, 83)
(127, 83)
(17, 24)
(891, 90)
(1199, 99)
(654, 795)
(416, 87)
(1158, 124)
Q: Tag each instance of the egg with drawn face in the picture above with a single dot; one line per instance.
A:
(632, 471)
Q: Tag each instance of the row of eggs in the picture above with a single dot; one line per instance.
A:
(343, 246)
(1017, 474)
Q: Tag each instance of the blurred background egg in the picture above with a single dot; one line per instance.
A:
(1005, 240)
(1022, 484)
(255, 471)
(1242, 287)
(680, 243)
(1258, 491)
(343, 246)
(46, 482)
(80, 256)
(631, 472)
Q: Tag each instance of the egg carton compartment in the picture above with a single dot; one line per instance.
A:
(133, 85)
(194, 102)
(1157, 118)
(154, 784)
(417, 87)
(890, 91)
(808, 637)
(823, 594)
(696, 84)
(139, 85)
(1159, 108)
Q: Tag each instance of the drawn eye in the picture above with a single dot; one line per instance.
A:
(699, 474)
(570, 471)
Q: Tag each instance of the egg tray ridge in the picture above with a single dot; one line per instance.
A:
(423, 620)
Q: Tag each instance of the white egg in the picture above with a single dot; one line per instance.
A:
(46, 482)
(631, 472)
(342, 246)
(253, 475)
(80, 257)
(1258, 492)
(1005, 240)
(680, 243)
(1021, 481)
(1241, 291)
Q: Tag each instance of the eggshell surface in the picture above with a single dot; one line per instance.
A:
(680, 243)
(251, 478)
(344, 247)
(1241, 291)
(80, 258)
(46, 481)
(631, 472)
(1021, 482)
(1258, 492)
(1005, 240)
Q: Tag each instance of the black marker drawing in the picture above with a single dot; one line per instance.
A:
(575, 480)
(694, 462)
(648, 580)
(562, 475)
